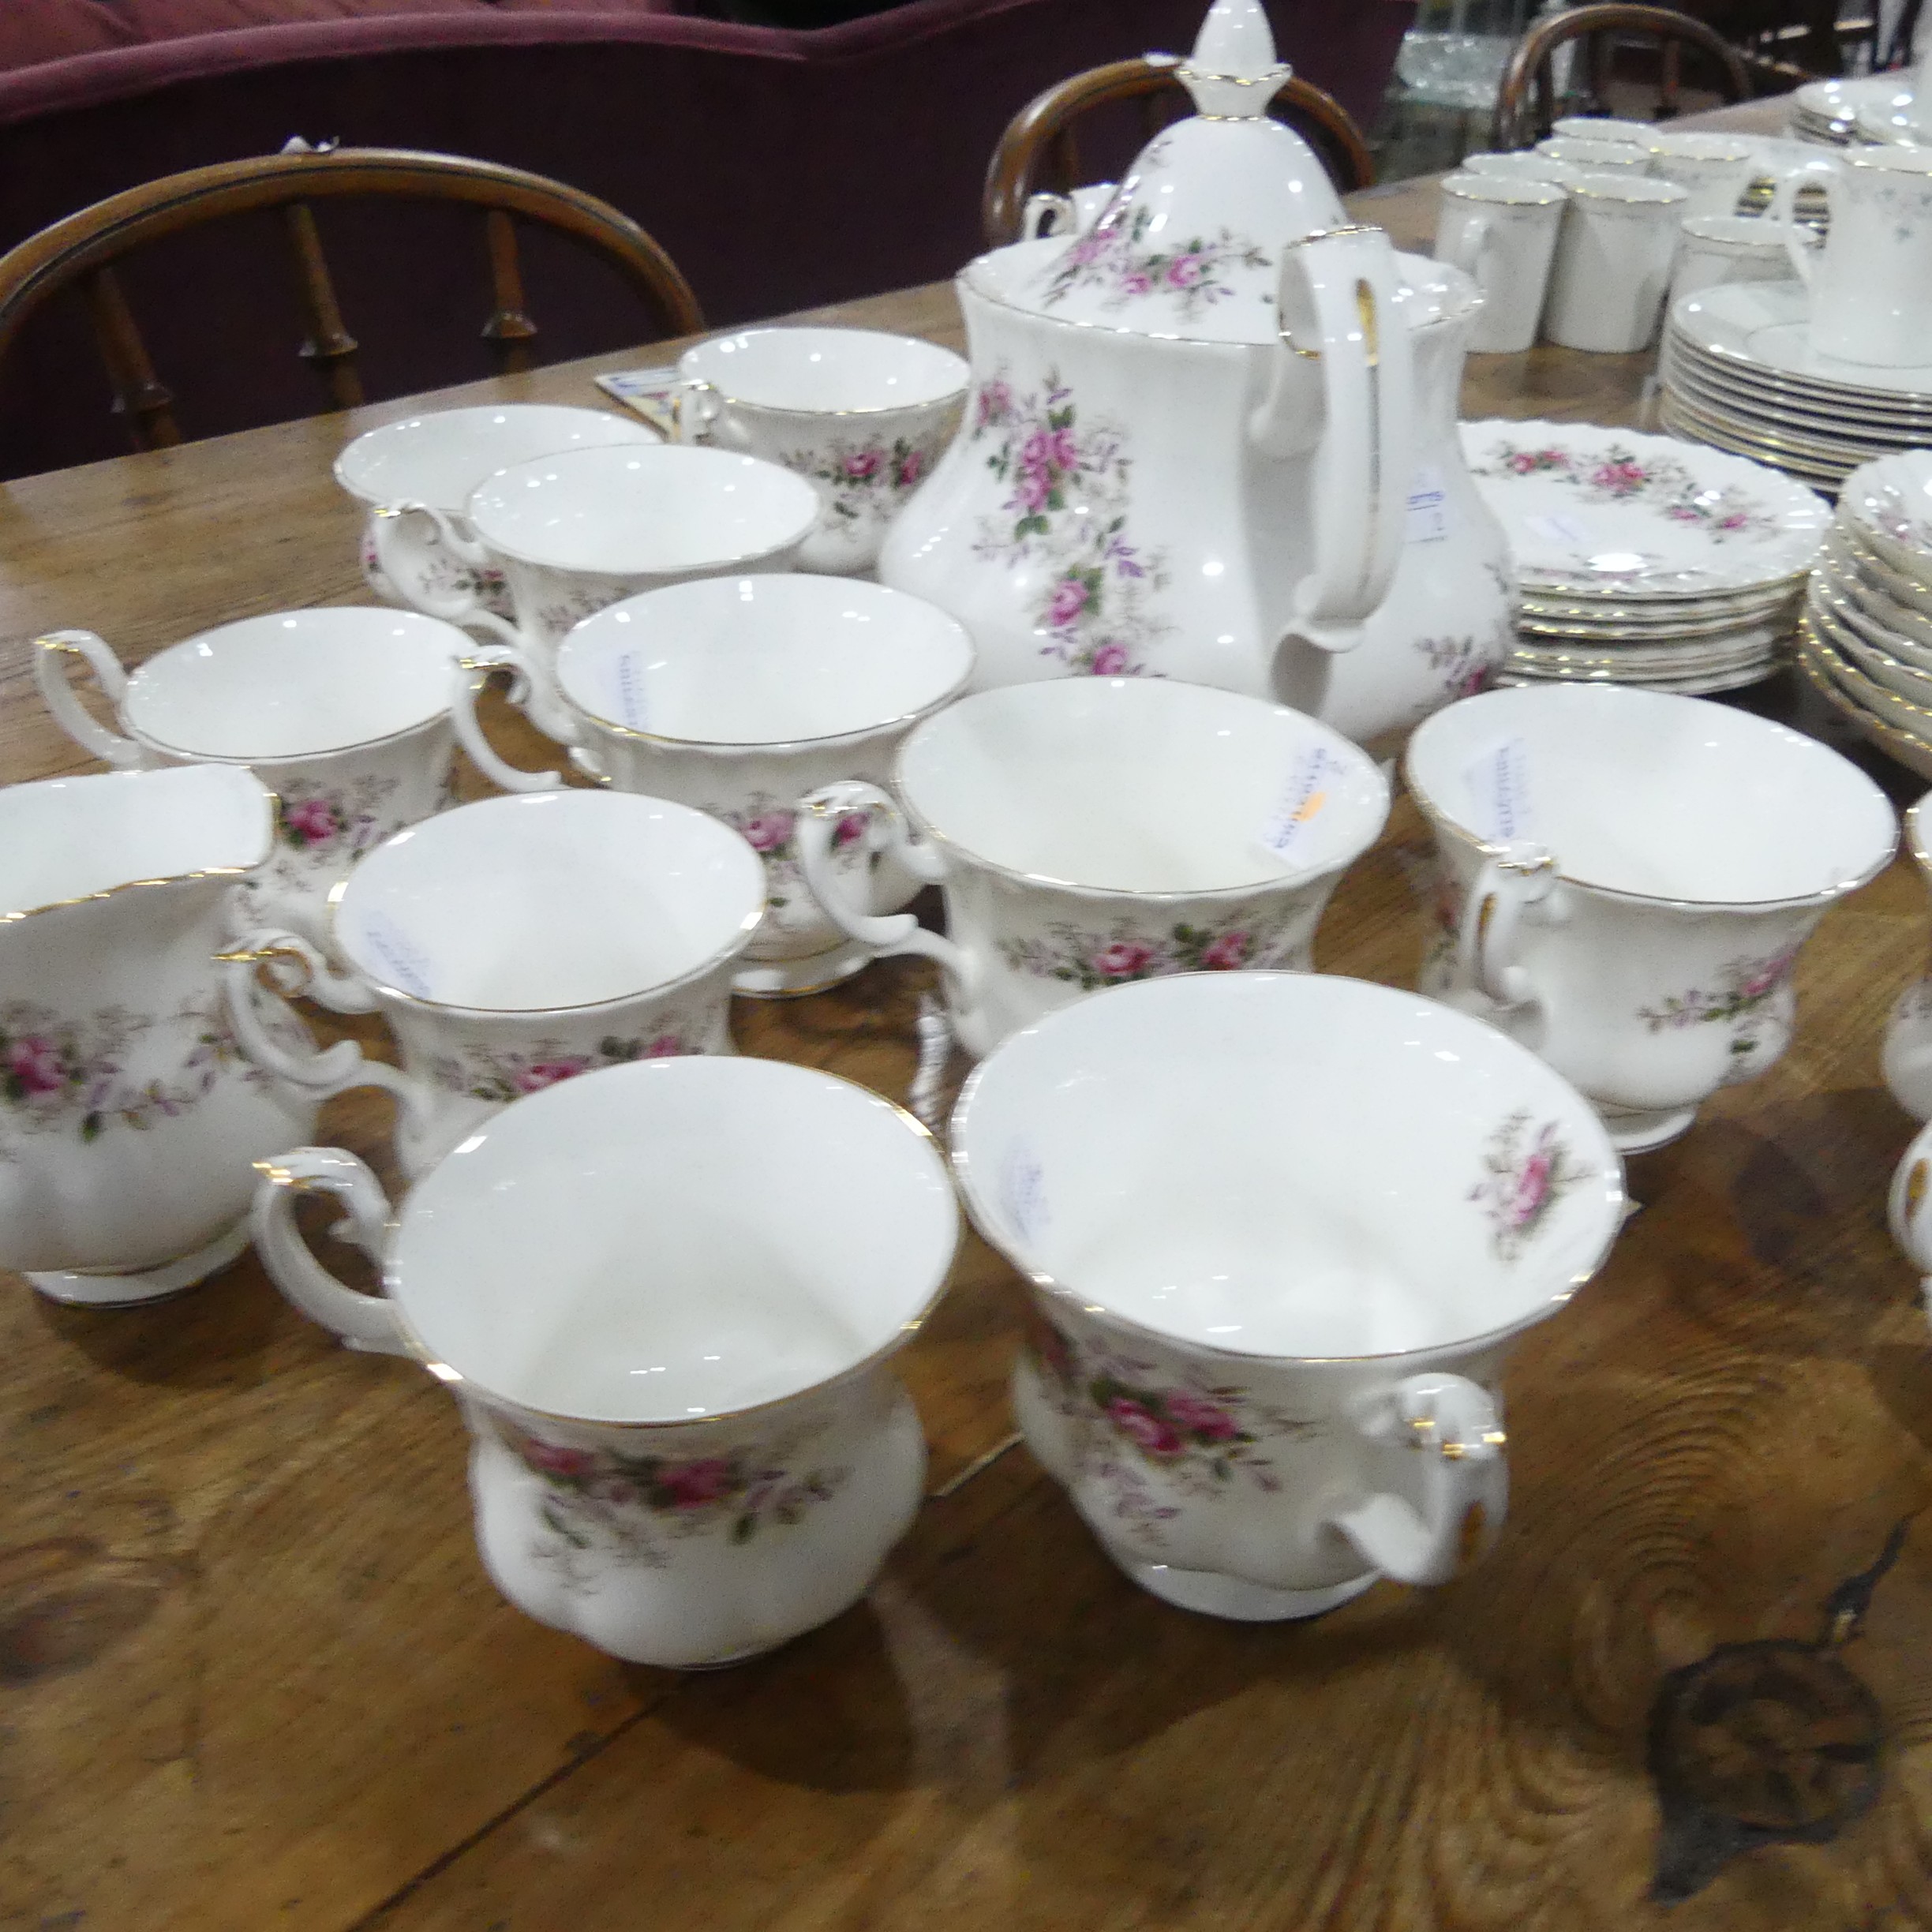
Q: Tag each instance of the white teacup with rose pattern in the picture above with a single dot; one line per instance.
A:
(673, 1350)
(1907, 1058)
(520, 942)
(1088, 831)
(433, 462)
(736, 696)
(1629, 877)
(1280, 1231)
(862, 416)
(343, 714)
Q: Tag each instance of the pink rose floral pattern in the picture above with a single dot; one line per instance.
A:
(1463, 666)
(59, 1074)
(1615, 474)
(1746, 997)
(335, 824)
(502, 1075)
(602, 1498)
(1092, 959)
(441, 574)
(1153, 1434)
(1530, 1171)
(1065, 516)
(1192, 274)
(861, 482)
(768, 826)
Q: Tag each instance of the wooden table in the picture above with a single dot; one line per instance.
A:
(251, 1675)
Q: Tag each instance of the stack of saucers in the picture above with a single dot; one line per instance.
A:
(1868, 616)
(1643, 559)
(1739, 372)
(1826, 113)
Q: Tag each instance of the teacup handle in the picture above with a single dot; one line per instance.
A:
(363, 1321)
(1474, 242)
(1783, 214)
(1465, 1480)
(694, 407)
(50, 674)
(1522, 875)
(457, 606)
(816, 823)
(467, 678)
(1910, 1209)
(335, 1070)
(1048, 214)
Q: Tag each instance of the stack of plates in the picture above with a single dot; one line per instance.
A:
(1826, 113)
(1643, 559)
(1737, 371)
(1868, 614)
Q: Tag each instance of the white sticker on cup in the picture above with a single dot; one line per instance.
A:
(1498, 782)
(1428, 507)
(1022, 1191)
(1302, 799)
(1568, 532)
(399, 957)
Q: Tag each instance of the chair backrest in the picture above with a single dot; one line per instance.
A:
(1039, 149)
(1526, 99)
(82, 251)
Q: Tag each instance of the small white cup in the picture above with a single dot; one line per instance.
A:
(861, 415)
(667, 1297)
(1717, 249)
(1714, 169)
(1597, 157)
(1503, 233)
(1522, 164)
(1871, 283)
(1280, 1231)
(736, 696)
(520, 942)
(1604, 128)
(434, 461)
(1907, 1054)
(1613, 263)
(1091, 831)
(343, 714)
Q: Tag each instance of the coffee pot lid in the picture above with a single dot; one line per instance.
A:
(1190, 246)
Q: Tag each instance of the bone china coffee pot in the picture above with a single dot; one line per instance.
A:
(1197, 444)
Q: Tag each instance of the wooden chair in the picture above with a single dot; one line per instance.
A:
(1527, 101)
(1039, 150)
(83, 248)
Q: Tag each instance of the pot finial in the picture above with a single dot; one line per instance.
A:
(1233, 72)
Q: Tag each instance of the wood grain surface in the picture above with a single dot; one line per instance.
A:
(252, 1674)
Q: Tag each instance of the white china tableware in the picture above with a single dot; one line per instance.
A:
(673, 1351)
(1629, 877)
(1501, 233)
(861, 415)
(520, 942)
(1716, 249)
(737, 695)
(1595, 157)
(343, 714)
(1713, 169)
(1604, 128)
(1280, 1232)
(1613, 262)
(129, 1111)
(1522, 164)
(1089, 833)
(1907, 1052)
(436, 460)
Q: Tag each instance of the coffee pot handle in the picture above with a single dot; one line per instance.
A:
(467, 679)
(1455, 1426)
(816, 825)
(50, 667)
(1519, 877)
(1782, 215)
(335, 1070)
(364, 1321)
(1342, 387)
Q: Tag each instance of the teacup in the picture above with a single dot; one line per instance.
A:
(1604, 128)
(343, 714)
(1713, 249)
(1907, 1052)
(1502, 233)
(520, 941)
(1630, 877)
(1871, 284)
(1597, 157)
(736, 696)
(1613, 262)
(1909, 1210)
(435, 461)
(862, 416)
(1280, 1231)
(1713, 169)
(672, 1348)
(1092, 831)
(1522, 164)
(575, 532)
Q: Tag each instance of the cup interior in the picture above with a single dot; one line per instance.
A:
(1282, 1164)
(554, 899)
(1653, 795)
(68, 838)
(295, 684)
(439, 458)
(660, 509)
(675, 1239)
(764, 661)
(1140, 786)
(821, 370)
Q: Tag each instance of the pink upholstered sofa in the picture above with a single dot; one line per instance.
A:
(781, 169)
